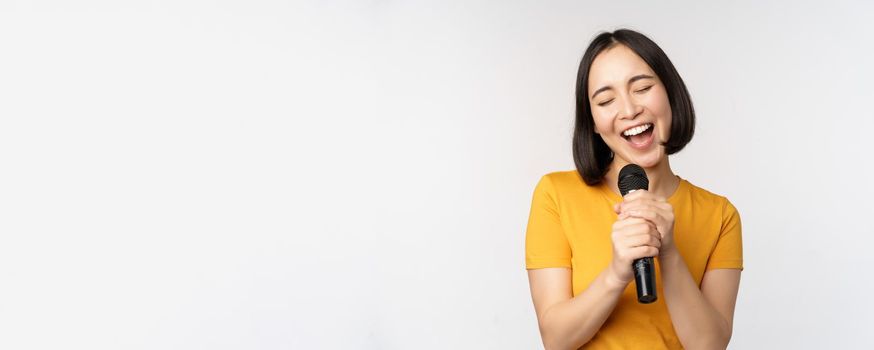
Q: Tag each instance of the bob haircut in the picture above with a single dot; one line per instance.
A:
(591, 155)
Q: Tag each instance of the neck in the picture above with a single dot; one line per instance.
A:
(662, 180)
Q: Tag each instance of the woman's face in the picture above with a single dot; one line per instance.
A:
(630, 106)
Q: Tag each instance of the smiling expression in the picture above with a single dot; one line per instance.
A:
(630, 106)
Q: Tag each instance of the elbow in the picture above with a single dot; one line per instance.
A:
(554, 344)
(720, 343)
(549, 346)
(554, 339)
(724, 336)
(717, 341)
(550, 340)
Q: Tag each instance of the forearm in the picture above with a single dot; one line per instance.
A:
(572, 323)
(696, 321)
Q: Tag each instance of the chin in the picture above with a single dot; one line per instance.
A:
(648, 160)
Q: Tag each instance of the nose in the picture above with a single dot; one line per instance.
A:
(629, 108)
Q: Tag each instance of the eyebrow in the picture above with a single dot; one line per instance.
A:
(632, 80)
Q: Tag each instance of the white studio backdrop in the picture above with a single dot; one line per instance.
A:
(326, 175)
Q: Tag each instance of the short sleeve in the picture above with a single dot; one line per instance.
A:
(728, 253)
(545, 242)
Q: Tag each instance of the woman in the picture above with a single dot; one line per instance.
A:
(631, 107)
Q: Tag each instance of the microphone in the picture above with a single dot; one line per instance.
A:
(632, 178)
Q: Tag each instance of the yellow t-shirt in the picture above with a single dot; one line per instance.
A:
(571, 224)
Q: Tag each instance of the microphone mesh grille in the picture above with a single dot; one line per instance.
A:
(632, 177)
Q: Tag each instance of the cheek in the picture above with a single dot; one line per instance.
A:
(602, 122)
(660, 105)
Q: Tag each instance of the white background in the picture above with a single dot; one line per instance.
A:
(325, 175)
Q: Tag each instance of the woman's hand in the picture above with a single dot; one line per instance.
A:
(645, 205)
(633, 238)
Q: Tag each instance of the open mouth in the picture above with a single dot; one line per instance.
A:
(639, 136)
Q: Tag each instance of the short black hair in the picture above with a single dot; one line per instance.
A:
(591, 155)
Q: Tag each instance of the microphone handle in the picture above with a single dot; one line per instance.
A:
(644, 279)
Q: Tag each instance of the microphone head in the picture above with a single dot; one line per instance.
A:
(632, 177)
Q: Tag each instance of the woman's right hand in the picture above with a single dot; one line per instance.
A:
(633, 238)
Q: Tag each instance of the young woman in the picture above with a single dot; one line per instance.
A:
(631, 107)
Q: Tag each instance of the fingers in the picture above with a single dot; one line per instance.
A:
(634, 238)
(647, 206)
(634, 232)
(642, 194)
(642, 240)
(632, 221)
(659, 216)
(643, 252)
(642, 214)
(642, 198)
(644, 203)
(635, 253)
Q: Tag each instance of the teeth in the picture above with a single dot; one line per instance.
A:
(636, 130)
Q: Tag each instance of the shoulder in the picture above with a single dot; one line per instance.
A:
(565, 185)
(563, 178)
(705, 198)
(563, 181)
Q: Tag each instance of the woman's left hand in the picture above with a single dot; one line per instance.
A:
(646, 205)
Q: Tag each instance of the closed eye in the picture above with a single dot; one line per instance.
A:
(602, 104)
(644, 89)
